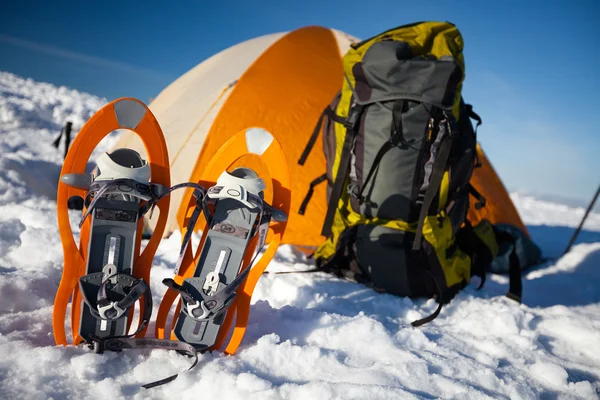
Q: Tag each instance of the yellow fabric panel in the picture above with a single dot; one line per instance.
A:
(444, 187)
(458, 267)
(499, 207)
(485, 232)
(285, 91)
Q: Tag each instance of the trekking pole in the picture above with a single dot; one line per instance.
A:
(587, 212)
(66, 131)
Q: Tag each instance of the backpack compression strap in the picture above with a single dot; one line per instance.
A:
(435, 181)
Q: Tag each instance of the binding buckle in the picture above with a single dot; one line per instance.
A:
(111, 308)
(190, 308)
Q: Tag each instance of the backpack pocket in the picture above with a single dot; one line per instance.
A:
(386, 260)
(450, 266)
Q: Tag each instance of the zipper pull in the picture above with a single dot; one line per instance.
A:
(430, 126)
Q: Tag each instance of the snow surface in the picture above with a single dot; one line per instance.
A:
(310, 336)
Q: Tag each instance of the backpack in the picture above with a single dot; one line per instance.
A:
(400, 151)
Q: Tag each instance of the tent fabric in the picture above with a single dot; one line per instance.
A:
(499, 208)
(280, 82)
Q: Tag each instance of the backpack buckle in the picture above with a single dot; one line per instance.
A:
(353, 116)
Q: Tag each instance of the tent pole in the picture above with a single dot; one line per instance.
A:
(578, 230)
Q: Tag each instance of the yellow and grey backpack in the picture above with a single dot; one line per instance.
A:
(400, 151)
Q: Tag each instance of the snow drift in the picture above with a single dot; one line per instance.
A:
(310, 336)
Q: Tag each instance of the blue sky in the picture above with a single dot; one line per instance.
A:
(531, 66)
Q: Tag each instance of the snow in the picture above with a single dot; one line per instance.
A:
(310, 336)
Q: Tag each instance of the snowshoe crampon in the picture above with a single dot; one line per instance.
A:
(243, 212)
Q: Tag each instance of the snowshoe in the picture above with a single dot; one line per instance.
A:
(217, 282)
(106, 274)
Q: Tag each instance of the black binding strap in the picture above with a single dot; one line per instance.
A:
(199, 193)
(340, 179)
(212, 304)
(138, 288)
(310, 192)
(118, 343)
(435, 181)
(103, 308)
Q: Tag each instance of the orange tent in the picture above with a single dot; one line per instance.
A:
(280, 82)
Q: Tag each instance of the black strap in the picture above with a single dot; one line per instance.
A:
(100, 188)
(310, 192)
(336, 191)
(435, 181)
(305, 271)
(137, 288)
(119, 343)
(199, 193)
(437, 311)
(472, 245)
(472, 114)
(214, 304)
(313, 138)
(515, 290)
(480, 199)
(382, 150)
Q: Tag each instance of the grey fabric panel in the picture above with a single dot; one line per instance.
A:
(392, 72)
(109, 219)
(129, 113)
(391, 188)
(203, 334)
(384, 258)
